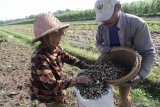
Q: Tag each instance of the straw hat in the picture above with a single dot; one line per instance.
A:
(46, 23)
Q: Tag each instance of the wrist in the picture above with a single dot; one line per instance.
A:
(140, 77)
(74, 81)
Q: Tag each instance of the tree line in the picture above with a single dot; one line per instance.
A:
(148, 8)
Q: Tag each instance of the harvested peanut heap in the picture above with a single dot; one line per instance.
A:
(99, 73)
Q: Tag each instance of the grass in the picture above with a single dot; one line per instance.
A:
(2, 92)
(142, 99)
(87, 55)
(3, 37)
(20, 38)
(153, 25)
(35, 103)
(25, 29)
(148, 93)
(25, 39)
(154, 75)
(152, 84)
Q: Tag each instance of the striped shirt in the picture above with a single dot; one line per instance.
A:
(46, 73)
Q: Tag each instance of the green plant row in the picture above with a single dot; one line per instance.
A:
(76, 15)
(3, 37)
(81, 53)
(143, 7)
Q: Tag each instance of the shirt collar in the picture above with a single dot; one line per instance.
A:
(120, 22)
(55, 50)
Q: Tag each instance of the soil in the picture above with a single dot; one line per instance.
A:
(15, 73)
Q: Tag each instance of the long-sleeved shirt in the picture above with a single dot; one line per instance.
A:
(46, 73)
(133, 33)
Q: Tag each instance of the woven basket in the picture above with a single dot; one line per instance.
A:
(126, 57)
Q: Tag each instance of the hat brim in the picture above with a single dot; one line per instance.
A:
(49, 31)
(104, 15)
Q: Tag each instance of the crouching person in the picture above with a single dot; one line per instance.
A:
(47, 61)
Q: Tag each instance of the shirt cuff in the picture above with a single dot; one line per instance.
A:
(104, 50)
(143, 73)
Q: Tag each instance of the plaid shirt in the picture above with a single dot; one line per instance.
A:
(46, 73)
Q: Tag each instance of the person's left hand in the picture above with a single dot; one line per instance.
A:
(87, 66)
(91, 66)
(83, 79)
(133, 82)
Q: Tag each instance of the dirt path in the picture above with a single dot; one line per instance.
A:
(14, 74)
(156, 40)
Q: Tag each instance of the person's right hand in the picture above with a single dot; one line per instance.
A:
(83, 79)
(105, 50)
(133, 82)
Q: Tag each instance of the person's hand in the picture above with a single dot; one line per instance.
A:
(105, 50)
(87, 66)
(136, 79)
(83, 79)
(133, 82)
(91, 66)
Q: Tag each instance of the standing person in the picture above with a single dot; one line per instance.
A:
(121, 29)
(47, 82)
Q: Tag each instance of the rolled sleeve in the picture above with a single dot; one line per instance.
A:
(69, 59)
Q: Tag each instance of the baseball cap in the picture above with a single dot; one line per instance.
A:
(104, 9)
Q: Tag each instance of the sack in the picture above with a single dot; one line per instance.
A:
(106, 100)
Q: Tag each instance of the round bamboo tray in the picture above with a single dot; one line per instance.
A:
(126, 57)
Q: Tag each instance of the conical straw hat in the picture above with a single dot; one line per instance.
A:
(46, 23)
